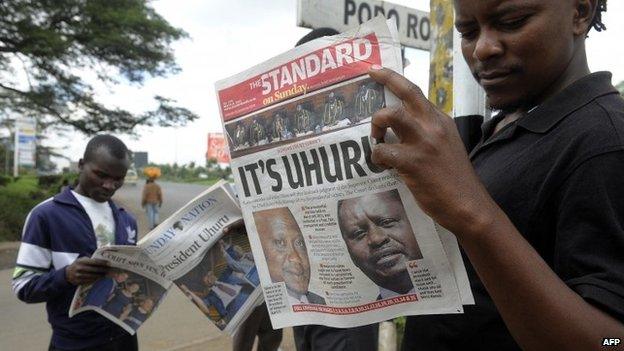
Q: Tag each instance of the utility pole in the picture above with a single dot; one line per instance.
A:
(441, 55)
(16, 152)
(451, 85)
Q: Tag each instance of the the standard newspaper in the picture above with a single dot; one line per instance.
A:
(338, 240)
(217, 273)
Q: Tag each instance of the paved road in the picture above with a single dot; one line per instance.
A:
(175, 195)
(176, 325)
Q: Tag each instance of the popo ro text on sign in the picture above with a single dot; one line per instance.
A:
(413, 25)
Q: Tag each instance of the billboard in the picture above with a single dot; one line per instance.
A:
(217, 148)
(140, 159)
(26, 141)
(414, 26)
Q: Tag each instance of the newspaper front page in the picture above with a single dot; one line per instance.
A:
(338, 241)
(217, 273)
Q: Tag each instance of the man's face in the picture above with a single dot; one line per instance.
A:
(284, 249)
(102, 175)
(378, 235)
(209, 279)
(517, 50)
(133, 288)
(147, 305)
(121, 277)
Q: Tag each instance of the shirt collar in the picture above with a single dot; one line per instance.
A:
(66, 197)
(578, 94)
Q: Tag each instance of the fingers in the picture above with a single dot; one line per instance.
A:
(395, 118)
(405, 90)
(95, 262)
(391, 156)
(82, 278)
(87, 269)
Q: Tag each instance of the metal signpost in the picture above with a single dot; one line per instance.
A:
(25, 144)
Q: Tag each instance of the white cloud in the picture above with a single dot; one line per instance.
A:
(230, 36)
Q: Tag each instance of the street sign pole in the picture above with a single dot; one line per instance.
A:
(16, 152)
(441, 55)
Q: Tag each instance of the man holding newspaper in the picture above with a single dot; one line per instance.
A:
(543, 288)
(61, 234)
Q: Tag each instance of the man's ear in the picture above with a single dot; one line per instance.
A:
(81, 164)
(583, 16)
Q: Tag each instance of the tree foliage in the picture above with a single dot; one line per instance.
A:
(54, 42)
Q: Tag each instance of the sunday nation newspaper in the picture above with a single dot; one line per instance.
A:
(337, 240)
(216, 272)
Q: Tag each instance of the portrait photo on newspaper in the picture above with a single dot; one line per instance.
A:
(286, 254)
(380, 240)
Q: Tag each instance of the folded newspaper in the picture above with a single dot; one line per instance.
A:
(337, 240)
(217, 273)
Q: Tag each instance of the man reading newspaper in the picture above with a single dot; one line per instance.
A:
(61, 234)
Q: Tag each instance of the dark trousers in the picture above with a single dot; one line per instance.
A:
(322, 338)
(257, 324)
(126, 342)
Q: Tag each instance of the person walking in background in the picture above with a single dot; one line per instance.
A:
(151, 201)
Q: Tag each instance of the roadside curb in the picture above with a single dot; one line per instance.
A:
(8, 254)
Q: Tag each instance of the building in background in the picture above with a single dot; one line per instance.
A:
(140, 159)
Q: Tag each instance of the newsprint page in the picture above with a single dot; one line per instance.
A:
(217, 273)
(337, 240)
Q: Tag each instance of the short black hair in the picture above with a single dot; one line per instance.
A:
(113, 145)
(317, 33)
(597, 20)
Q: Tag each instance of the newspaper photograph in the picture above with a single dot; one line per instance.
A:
(217, 273)
(131, 291)
(337, 240)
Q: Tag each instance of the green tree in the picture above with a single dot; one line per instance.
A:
(46, 46)
(620, 87)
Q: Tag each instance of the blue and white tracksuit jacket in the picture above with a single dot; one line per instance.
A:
(57, 232)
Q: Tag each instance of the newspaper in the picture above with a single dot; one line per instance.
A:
(131, 291)
(217, 273)
(338, 241)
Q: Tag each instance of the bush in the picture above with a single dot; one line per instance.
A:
(48, 181)
(52, 184)
(16, 200)
(4, 180)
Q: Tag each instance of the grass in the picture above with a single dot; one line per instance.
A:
(23, 185)
(17, 198)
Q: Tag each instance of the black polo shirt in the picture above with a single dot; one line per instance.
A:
(558, 174)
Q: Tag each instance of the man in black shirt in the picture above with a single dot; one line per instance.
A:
(540, 211)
